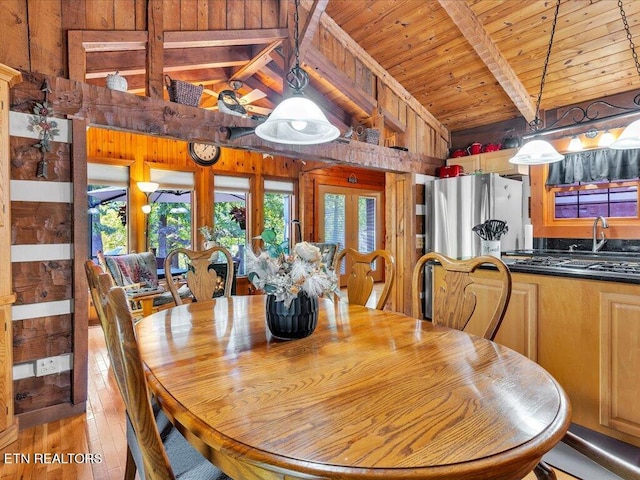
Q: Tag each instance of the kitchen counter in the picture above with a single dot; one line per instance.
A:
(623, 267)
(579, 324)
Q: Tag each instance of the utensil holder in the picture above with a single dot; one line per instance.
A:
(490, 247)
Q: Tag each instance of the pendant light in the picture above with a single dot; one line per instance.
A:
(538, 152)
(297, 120)
(630, 136)
(575, 145)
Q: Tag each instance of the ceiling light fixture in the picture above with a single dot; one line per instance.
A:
(606, 139)
(297, 120)
(538, 152)
(575, 145)
(630, 136)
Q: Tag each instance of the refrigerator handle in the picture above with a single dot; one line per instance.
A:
(485, 209)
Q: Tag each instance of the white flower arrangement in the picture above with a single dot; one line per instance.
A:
(285, 275)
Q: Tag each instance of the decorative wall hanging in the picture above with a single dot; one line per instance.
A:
(46, 128)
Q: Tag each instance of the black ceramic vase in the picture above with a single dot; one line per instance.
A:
(299, 320)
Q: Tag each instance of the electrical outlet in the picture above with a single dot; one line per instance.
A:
(47, 366)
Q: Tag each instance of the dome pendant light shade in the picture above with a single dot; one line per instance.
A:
(297, 121)
(629, 138)
(606, 139)
(575, 145)
(536, 152)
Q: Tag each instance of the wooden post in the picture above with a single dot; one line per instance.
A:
(8, 422)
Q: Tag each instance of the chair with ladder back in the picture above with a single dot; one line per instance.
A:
(360, 281)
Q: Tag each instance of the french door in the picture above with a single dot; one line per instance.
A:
(351, 218)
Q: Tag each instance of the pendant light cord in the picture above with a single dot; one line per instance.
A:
(631, 44)
(297, 78)
(536, 122)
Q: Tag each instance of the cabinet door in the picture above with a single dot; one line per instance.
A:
(498, 162)
(469, 164)
(519, 327)
(518, 330)
(620, 362)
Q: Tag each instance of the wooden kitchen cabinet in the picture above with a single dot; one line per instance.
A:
(584, 332)
(469, 164)
(520, 325)
(491, 162)
(8, 422)
(589, 340)
(620, 361)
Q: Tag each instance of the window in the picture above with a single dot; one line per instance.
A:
(230, 216)
(108, 205)
(169, 224)
(278, 208)
(590, 200)
(567, 216)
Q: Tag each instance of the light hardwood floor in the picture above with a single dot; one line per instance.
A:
(98, 432)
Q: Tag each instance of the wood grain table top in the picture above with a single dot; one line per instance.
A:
(370, 394)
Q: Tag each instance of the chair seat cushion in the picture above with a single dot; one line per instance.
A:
(166, 298)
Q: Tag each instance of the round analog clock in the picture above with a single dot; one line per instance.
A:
(204, 154)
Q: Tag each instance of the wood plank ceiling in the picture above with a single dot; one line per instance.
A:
(468, 62)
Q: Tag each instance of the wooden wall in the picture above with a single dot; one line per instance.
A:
(141, 151)
(42, 253)
(35, 39)
(49, 227)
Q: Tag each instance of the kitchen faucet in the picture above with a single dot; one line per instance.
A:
(597, 245)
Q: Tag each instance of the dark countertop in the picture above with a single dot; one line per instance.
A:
(630, 258)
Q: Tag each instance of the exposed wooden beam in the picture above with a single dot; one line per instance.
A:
(102, 107)
(351, 46)
(111, 40)
(317, 65)
(102, 63)
(479, 39)
(310, 28)
(256, 63)
(155, 49)
(219, 38)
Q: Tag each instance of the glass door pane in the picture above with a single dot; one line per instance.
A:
(351, 218)
(367, 235)
(335, 215)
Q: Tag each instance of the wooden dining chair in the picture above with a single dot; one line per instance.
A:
(99, 284)
(202, 278)
(157, 455)
(455, 302)
(360, 282)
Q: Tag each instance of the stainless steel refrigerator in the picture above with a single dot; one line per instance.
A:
(456, 204)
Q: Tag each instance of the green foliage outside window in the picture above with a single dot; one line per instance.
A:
(276, 215)
(109, 228)
(169, 227)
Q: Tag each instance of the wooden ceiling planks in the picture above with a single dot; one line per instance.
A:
(422, 48)
(435, 69)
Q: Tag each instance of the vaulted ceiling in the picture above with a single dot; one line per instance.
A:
(468, 62)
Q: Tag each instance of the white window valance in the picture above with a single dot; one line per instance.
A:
(104, 174)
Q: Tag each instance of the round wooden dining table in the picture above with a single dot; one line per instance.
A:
(370, 394)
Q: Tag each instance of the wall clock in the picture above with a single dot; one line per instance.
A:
(204, 154)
